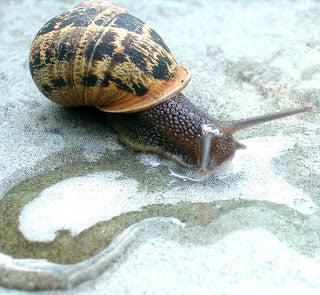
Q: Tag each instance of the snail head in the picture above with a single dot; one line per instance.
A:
(217, 144)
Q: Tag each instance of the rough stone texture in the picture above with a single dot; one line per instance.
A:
(246, 58)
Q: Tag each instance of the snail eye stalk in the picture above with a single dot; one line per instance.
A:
(234, 126)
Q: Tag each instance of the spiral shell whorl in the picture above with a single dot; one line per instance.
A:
(105, 57)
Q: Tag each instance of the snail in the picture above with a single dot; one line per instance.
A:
(100, 55)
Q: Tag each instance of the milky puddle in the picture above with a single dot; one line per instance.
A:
(78, 203)
(76, 217)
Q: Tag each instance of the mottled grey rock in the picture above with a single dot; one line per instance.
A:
(253, 227)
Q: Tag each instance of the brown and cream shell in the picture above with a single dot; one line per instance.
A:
(98, 54)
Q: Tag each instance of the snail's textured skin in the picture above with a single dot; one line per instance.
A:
(174, 129)
(105, 57)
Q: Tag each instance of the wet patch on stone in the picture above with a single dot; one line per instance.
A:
(206, 224)
(66, 248)
(101, 234)
(154, 193)
(292, 166)
(71, 247)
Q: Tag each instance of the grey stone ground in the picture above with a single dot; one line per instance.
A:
(254, 228)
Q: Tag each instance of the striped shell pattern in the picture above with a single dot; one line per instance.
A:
(100, 55)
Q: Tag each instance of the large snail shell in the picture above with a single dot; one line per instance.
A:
(98, 54)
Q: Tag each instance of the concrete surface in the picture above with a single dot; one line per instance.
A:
(68, 188)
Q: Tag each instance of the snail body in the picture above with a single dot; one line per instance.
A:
(100, 55)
